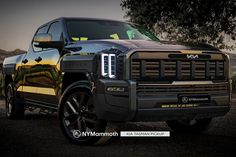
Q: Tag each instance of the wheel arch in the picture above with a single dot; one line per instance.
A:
(72, 77)
(100, 125)
(6, 80)
(82, 84)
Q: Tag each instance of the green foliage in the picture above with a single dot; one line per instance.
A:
(186, 20)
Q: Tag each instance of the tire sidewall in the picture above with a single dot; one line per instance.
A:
(12, 112)
(17, 109)
(100, 126)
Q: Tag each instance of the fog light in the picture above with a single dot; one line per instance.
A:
(115, 89)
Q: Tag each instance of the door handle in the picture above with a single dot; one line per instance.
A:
(39, 59)
(25, 61)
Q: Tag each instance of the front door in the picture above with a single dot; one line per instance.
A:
(41, 72)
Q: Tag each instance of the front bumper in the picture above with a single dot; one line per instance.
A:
(153, 104)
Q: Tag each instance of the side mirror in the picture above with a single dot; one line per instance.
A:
(44, 40)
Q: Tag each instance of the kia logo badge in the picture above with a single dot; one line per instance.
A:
(190, 56)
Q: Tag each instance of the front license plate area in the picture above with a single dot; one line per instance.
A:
(193, 99)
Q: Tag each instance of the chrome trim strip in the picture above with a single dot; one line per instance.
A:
(191, 82)
(129, 53)
(185, 83)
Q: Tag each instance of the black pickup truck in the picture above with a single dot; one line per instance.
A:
(94, 71)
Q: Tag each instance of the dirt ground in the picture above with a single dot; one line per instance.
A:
(39, 135)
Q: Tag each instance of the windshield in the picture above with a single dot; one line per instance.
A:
(80, 30)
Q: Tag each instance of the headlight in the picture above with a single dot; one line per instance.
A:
(108, 65)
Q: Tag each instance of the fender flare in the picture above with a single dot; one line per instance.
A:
(78, 84)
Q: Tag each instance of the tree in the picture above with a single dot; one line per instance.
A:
(186, 20)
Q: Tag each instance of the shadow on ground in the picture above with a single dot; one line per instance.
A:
(39, 135)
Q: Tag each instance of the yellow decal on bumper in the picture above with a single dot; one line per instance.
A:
(179, 105)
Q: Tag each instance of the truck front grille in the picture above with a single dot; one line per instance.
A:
(201, 88)
(176, 69)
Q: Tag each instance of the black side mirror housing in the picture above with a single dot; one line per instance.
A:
(44, 40)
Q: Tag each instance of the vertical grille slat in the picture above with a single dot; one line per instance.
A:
(217, 69)
(143, 69)
(192, 68)
(207, 69)
(162, 68)
(178, 70)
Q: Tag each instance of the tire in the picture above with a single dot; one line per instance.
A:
(189, 126)
(14, 110)
(76, 115)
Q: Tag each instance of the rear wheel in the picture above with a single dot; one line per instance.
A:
(77, 115)
(189, 126)
(14, 110)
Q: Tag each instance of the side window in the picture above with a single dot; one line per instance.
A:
(40, 30)
(56, 31)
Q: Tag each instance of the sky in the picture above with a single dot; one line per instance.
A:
(19, 19)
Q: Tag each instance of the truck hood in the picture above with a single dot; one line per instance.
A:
(94, 46)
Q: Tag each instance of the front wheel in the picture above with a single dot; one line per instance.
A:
(78, 119)
(189, 126)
